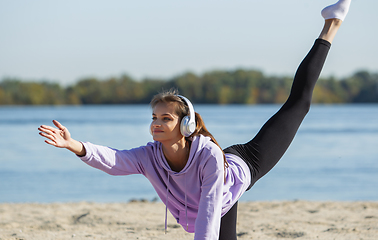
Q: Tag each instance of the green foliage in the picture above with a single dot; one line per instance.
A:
(16, 92)
(215, 87)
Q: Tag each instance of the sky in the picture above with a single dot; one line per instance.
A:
(65, 41)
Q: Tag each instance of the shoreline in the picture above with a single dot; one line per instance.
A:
(145, 220)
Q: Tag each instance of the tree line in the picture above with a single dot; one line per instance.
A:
(214, 87)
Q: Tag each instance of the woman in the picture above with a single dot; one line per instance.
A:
(198, 182)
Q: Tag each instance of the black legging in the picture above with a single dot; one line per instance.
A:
(264, 151)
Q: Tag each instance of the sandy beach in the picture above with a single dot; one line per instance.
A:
(145, 220)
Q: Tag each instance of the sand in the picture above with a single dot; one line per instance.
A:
(145, 220)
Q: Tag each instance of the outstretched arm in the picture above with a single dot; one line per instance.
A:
(111, 161)
(60, 137)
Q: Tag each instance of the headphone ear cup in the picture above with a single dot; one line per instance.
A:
(187, 127)
(184, 126)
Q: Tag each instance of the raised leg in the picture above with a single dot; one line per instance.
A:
(264, 151)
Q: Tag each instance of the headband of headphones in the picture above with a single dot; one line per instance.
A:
(188, 123)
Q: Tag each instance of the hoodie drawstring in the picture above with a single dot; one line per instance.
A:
(186, 207)
(166, 208)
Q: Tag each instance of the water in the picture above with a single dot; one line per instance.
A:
(333, 157)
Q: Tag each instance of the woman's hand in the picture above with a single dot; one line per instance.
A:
(60, 137)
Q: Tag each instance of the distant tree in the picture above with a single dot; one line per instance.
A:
(31, 93)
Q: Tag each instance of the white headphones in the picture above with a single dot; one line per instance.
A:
(188, 123)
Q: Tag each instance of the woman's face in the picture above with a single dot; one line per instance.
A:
(165, 125)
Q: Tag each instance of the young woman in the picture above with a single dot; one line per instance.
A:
(198, 182)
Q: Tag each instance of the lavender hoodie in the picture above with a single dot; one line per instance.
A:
(197, 196)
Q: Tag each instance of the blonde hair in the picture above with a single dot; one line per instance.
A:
(182, 110)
